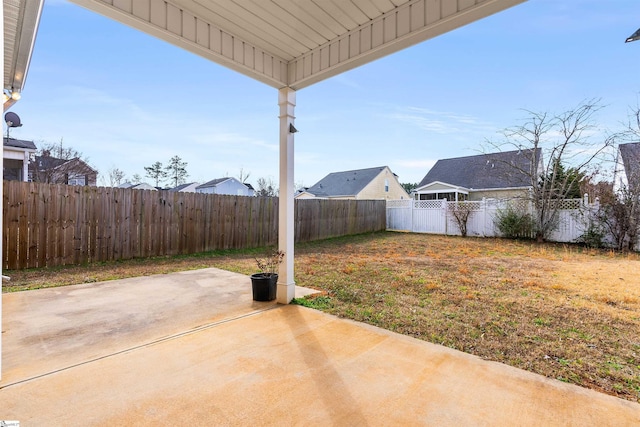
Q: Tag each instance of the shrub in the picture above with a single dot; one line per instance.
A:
(593, 237)
(515, 224)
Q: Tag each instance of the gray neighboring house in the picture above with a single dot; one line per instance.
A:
(627, 166)
(363, 184)
(186, 188)
(501, 175)
(17, 155)
(228, 185)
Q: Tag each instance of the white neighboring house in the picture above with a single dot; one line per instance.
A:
(228, 185)
(627, 166)
(186, 188)
(141, 186)
(17, 154)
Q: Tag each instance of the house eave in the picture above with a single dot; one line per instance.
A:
(476, 190)
(20, 149)
(453, 187)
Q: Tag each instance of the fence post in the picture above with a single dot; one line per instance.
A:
(444, 213)
(412, 206)
(483, 209)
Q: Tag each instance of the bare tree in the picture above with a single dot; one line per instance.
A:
(619, 215)
(461, 212)
(619, 211)
(59, 151)
(562, 140)
(116, 176)
(243, 176)
(54, 163)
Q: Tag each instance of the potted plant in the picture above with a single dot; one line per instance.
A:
(264, 283)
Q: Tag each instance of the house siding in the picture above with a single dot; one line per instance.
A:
(498, 194)
(375, 190)
(230, 187)
(305, 195)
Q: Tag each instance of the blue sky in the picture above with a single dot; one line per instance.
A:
(125, 99)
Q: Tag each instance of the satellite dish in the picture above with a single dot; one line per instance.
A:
(12, 119)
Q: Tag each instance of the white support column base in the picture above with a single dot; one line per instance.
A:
(286, 285)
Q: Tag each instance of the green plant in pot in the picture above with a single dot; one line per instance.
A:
(264, 283)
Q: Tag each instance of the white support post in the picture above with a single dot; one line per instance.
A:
(25, 167)
(286, 283)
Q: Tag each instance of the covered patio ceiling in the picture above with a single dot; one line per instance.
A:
(283, 43)
(287, 44)
(20, 24)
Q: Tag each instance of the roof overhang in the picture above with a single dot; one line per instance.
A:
(523, 188)
(427, 188)
(286, 43)
(21, 18)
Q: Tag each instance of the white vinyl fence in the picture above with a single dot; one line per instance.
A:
(433, 216)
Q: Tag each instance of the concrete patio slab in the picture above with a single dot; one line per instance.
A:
(289, 365)
(50, 329)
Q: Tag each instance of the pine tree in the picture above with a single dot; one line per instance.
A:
(177, 171)
(156, 172)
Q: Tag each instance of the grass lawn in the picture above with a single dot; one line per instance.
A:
(558, 310)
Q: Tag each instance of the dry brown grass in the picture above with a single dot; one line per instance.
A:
(557, 310)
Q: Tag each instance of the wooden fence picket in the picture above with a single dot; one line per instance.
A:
(47, 225)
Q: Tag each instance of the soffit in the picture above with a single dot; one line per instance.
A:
(21, 19)
(295, 43)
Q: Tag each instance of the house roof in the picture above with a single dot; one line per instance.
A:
(347, 183)
(213, 182)
(630, 154)
(19, 143)
(48, 163)
(507, 169)
(138, 186)
(182, 186)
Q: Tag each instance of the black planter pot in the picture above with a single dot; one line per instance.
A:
(264, 286)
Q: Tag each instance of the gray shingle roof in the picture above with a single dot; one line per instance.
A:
(213, 182)
(484, 171)
(630, 154)
(347, 183)
(181, 186)
(19, 143)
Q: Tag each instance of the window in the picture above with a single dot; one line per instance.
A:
(76, 180)
(386, 185)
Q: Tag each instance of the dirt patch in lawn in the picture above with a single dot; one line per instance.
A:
(558, 310)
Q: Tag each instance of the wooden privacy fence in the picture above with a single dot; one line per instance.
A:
(51, 225)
